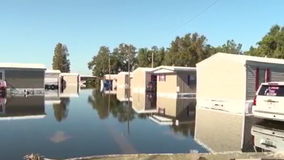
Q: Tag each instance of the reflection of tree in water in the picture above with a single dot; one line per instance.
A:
(61, 110)
(105, 103)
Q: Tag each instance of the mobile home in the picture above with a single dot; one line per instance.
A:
(52, 79)
(228, 81)
(23, 77)
(173, 81)
(123, 80)
(71, 79)
(140, 78)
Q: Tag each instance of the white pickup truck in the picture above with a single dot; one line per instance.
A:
(269, 101)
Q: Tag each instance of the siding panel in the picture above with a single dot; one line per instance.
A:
(276, 75)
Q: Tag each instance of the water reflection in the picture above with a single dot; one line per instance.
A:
(220, 131)
(107, 105)
(178, 113)
(22, 108)
(268, 136)
(144, 103)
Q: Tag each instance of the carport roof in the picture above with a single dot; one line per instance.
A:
(22, 65)
(172, 69)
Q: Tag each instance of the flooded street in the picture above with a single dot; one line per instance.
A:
(90, 124)
(95, 123)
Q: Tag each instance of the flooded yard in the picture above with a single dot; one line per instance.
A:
(91, 124)
(95, 123)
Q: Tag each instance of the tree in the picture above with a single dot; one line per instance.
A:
(144, 57)
(271, 45)
(60, 59)
(187, 50)
(230, 47)
(99, 63)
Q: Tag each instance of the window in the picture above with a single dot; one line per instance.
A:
(162, 77)
(261, 76)
(192, 80)
(271, 90)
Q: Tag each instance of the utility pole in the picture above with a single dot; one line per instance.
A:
(153, 59)
(129, 53)
(109, 82)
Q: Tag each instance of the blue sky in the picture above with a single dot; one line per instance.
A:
(30, 29)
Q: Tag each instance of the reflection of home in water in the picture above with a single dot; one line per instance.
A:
(22, 108)
(144, 103)
(222, 132)
(268, 136)
(122, 94)
(174, 111)
(70, 91)
(51, 97)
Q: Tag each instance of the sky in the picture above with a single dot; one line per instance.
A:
(30, 29)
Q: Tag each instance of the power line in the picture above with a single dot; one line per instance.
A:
(194, 17)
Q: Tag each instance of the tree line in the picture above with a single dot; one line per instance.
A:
(182, 51)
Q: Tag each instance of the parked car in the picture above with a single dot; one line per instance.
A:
(151, 86)
(269, 101)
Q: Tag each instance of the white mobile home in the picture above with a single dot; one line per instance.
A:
(29, 77)
(228, 81)
(52, 79)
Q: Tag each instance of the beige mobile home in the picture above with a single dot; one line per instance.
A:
(175, 81)
(71, 78)
(142, 104)
(228, 81)
(140, 78)
(174, 111)
(122, 80)
(23, 76)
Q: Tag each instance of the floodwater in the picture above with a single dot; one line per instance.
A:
(93, 123)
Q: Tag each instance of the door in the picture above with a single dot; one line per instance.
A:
(1, 75)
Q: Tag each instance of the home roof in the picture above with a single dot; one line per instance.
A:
(124, 73)
(22, 65)
(171, 69)
(145, 69)
(52, 71)
(245, 58)
(69, 74)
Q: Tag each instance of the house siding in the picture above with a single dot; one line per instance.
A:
(71, 79)
(277, 74)
(168, 86)
(139, 81)
(24, 78)
(182, 82)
